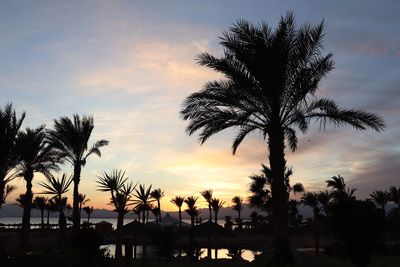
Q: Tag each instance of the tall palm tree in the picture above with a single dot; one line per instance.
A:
(178, 201)
(380, 198)
(271, 77)
(121, 198)
(40, 204)
(394, 194)
(207, 195)
(70, 139)
(89, 211)
(57, 187)
(144, 200)
(216, 205)
(9, 128)
(34, 156)
(238, 205)
(312, 200)
(157, 194)
(191, 208)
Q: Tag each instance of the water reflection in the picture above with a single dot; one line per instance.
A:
(221, 253)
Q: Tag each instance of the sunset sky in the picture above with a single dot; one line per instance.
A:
(130, 64)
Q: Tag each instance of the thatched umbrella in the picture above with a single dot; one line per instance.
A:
(130, 232)
(211, 230)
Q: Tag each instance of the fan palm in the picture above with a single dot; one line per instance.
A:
(394, 194)
(216, 205)
(40, 204)
(9, 128)
(144, 199)
(207, 195)
(34, 156)
(70, 139)
(157, 194)
(271, 77)
(380, 198)
(121, 198)
(191, 208)
(178, 201)
(57, 187)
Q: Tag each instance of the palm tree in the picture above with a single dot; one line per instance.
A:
(380, 198)
(9, 128)
(271, 77)
(89, 211)
(144, 200)
(50, 207)
(57, 187)
(82, 200)
(34, 156)
(121, 198)
(191, 208)
(40, 204)
(178, 201)
(70, 139)
(312, 200)
(155, 211)
(395, 195)
(137, 210)
(207, 195)
(157, 194)
(238, 205)
(339, 189)
(216, 205)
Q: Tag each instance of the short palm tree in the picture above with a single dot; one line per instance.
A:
(339, 189)
(143, 199)
(191, 208)
(89, 211)
(216, 205)
(394, 195)
(70, 139)
(311, 199)
(82, 200)
(207, 195)
(156, 212)
(380, 198)
(9, 128)
(178, 201)
(34, 156)
(238, 205)
(121, 198)
(57, 187)
(271, 77)
(157, 194)
(40, 204)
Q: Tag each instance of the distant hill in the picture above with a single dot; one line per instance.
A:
(12, 210)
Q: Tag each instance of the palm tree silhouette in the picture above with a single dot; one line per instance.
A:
(34, 156)
(216, 205)
(271, 77)
(157, 194)
(57, 187)
(89, 211)
(380, 198)
(207, 195)
(156, 212)
(312, 200)
(394, 195)
(339, 189)
(191, 208)
(238, 205)
(70, 139)
(121, 198)
(40, 204)
(82, 200)
(9, 128)
(143, 200)
(178, 201)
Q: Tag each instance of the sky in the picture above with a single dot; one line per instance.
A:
(130, 64)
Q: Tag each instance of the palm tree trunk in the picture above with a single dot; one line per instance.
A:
(209, 210)
(26, 217)
(276, 145)
(144, 216)
(62, 220)
(76, 218)
(118, 245)
(159, 210)
(216, 217)
(42, 215)
(48, 218)
(180, 219)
